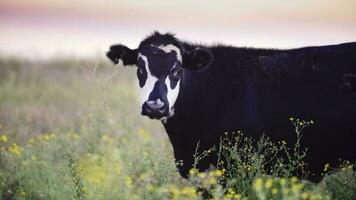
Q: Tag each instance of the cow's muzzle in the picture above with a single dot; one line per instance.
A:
(155, 109)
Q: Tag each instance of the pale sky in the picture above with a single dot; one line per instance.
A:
(51, 28)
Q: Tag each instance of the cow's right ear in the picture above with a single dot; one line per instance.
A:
(127, 55)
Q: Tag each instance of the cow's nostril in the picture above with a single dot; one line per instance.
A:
(162, 110)
(155, 105)
(147, 109)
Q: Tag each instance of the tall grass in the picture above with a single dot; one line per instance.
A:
(71, 129)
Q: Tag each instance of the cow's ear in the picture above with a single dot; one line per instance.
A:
(127, 55)
(197, 58)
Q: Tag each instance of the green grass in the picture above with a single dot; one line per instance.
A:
(71, 129)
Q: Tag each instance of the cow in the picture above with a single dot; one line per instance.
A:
(201, 92)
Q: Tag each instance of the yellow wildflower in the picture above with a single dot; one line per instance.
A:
(31, 141)
(175, 192)
(326, 167)
(3, 138)
(231, 191)
(212, 181)
(297, 187)
(258, 184)
(282, 181)
(149, 187)
(237, 196)
(274, 191)
(128, 181)
(93, 173)
(305, 195)
(15, 149)
(202, 174)
(46, 137)
(144, 176)
(193, 171)
(75, 136)
(105, 138)
(33, 158)
(269, 183)
(293, 179)
(52, 135)
(218, 173)
(189, 191)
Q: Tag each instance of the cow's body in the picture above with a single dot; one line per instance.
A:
(256, 91)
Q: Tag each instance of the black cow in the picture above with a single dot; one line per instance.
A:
(200, 92)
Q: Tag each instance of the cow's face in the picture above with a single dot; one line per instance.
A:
(160, 60)
(159, 71)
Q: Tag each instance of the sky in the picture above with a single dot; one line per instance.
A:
(40, 29)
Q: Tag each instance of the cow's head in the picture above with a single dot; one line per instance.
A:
(160, 61)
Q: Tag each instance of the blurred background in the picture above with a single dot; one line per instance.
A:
(41, 29)
(52, 52)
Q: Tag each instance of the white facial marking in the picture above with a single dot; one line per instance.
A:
(168, 48)
(150, 82)
(172, 94)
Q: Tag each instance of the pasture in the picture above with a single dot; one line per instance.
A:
(72, 129)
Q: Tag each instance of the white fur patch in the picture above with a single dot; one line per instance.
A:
(150, 82)
(168, 48)
(172, 94)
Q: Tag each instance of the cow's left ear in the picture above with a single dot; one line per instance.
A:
(197, 58)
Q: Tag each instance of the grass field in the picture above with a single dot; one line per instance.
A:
(71, 129)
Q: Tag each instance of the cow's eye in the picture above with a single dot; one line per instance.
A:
(155, 53)
(177, 73)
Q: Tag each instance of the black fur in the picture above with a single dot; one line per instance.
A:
(257, 91)
(197, 58)
(117, 52)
